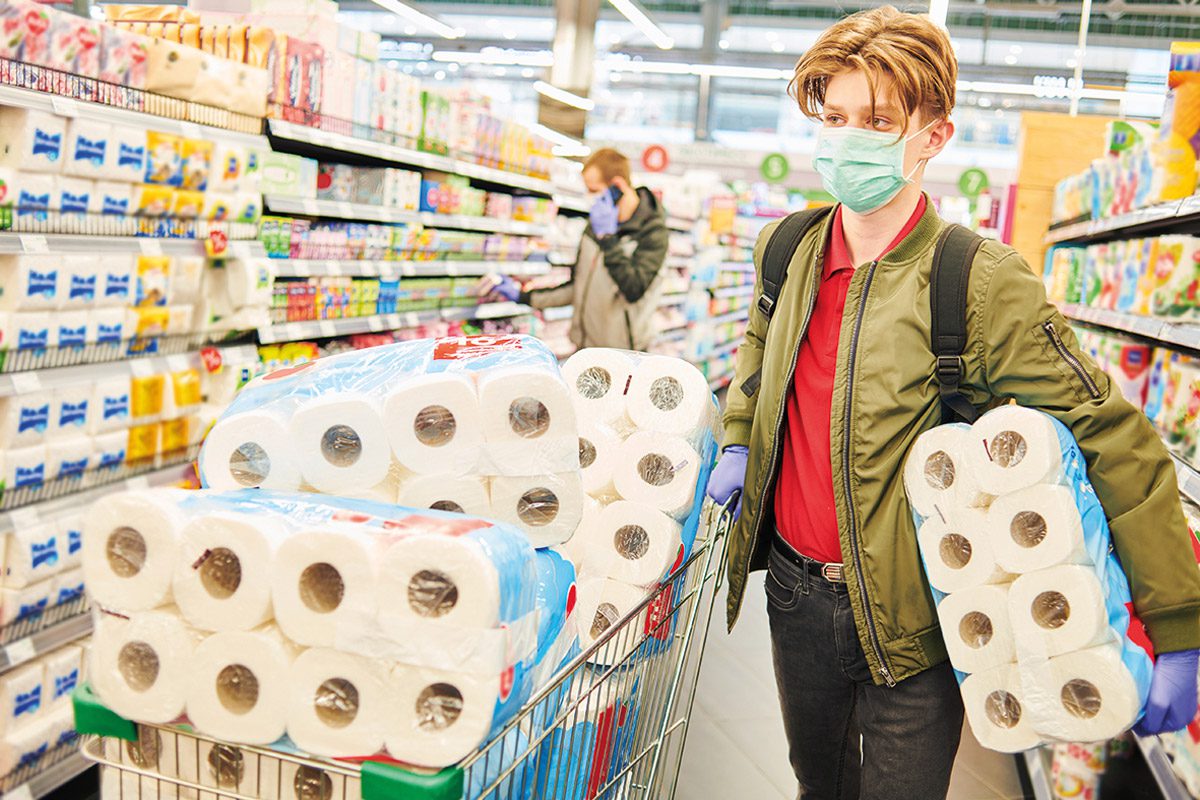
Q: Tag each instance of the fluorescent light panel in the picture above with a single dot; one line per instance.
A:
(499, 58)
(563, 96)
(633, 12)
(420, 18)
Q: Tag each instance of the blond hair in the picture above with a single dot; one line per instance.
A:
(910, 49)
(610, 163)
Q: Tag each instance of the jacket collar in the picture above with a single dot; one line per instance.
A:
(920, 240)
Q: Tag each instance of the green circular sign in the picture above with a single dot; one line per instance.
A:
(775, 167)
(972, 182)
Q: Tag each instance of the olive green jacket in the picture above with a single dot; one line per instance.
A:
(885, 395)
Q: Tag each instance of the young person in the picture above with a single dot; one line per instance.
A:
(830, 396)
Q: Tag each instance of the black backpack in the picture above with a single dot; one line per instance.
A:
(952, 259)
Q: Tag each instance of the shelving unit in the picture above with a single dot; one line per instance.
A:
(67, 765)
(337, 209)
(1177, 334)
(329, 328)
(305, 268)
(1037, 768)
(1146, 220)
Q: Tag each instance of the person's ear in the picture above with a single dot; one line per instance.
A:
(940, 134)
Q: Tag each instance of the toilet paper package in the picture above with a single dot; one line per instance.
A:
(936, 475)
(22, 697)
(81, 275)
(22, 603)
(31, 282)
(558, 632)
(62, 674)
(87, 152)
(67, 587)
(630, 542)
(340, 703)
(29, 330)
(73, 409)
(464, 494)
(33, 553)
(599, 379)
(958, 550)
(33, 141)
(69, 530)
(22, 467)
(26, 418)
(670, 396)
(68, 458)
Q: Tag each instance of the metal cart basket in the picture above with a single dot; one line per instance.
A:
(611, 724)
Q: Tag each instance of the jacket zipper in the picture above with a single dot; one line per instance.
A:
(872, 633)
(1072, 361)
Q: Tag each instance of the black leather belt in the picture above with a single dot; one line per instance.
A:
(834, 573)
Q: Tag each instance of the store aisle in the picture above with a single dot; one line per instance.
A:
(736, 746)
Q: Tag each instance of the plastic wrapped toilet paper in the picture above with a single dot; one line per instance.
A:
(1036, 528)
(87, 148)
(338, 704)
(128, 161)
(558, 632)
(340, 442)
(659, 471)
(111, 404)
(631, 542)
(598, 379)
(456, 494)
(106, 326)
(72, 410)
(547, 507)
(1014, 448)
(111, 449)
(977, 629)
(222, 577)
(63, 669)
(66, 587)
(602, 603)
(23, 746)
(26, 419)
(1058, 610)
(34, 553)
(997, 710)
(957, 552)
(573, 549)
(22, 696)
(1085, 696)
(31, 282)
(116, 283)
(81, 277)
(239, 686)
(936, 474)
(599, 448)
(131, 547)
(142, 666)
(528, 421)
(249, 450)
(669, 395)
(434, 423)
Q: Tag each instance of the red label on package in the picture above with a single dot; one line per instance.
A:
(507, 680)
(442, 527)
(211, 358)
(218, 242)
(463, 348)
(657, 614)
(288, 372)
(571, 600)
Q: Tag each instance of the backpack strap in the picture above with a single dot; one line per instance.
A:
(951, 274)
(776, 257)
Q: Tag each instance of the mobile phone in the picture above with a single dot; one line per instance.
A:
(615, 193)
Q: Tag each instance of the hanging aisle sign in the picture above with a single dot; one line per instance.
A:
(654, 158)
(973, 182)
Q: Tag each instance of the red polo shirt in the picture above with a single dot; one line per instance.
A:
(804, 509)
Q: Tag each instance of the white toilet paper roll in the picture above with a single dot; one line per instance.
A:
(957, 551)
(630, 542)
(937, 474)
(31, 282)
(598, 458)
(996, 707)
(598, 378)
(222, 576)
(575, 548)
(547, 507)
(324, 578)
(23, 466)
(434, 423)
(239, 686)
(659, 471)
(338, 703)
(141, 666)
(63, 669)
(1036, 528)
(157, 753)
(34, 553)
(669, 395)
(1085, 696)
(22, 696)
(87, 148)
(602, 603)
(1013, 448)
(383, 492)
(457, 494)
(130, 548)
(438, 717)
(250, 450)
(340, 442)
(976, 628)
(32, 140)
(528, 422)
(1058, 610)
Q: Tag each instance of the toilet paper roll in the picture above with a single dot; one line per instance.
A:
(239, 686)
(69, 529)
(338, 704)
(574, 548)
(1058, 610)
(324, 578)
(602, 604)
(976, 628)
(598, 378)
(957, 551)
(67, 587)
(659, 471)
(34, 553)
(1036, 528)
(669, 395)
(73, 406)
(598, 458)
(22, 696)
(142, 666)
(937, 474)
(81, 276)
(26, 419)
(1013, 448)
(130, 548)
(63, 669)
(438, 717)
(632, 543)
(383, 492)
(127, 160)
(434, 423)
(116, 286)
(340, 442)
(222, 576)
(111, 449)
(31, 283)
(1085, 696)
(528, 422)
(547, 508)
(997, 710)
(106, 325)
(87, 148)
(23, 603)
(33, 141)
(456, 494)
(250, 450)
(23, 466)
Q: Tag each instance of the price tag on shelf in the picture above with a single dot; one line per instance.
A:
(141, 368)
(301, 269)
(190, 130)
(375, 324)
(311, 207)
(328, 329)
(150, 247)
(34, 243)
(217, 243)
(19, 652)
(452, 269)
(178, 363)
(333, 267)
(345, 210)
(137, 483)
(520, 227)
(23, 382)
(64, 106)
(22, 792)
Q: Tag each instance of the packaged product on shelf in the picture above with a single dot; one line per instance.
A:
(123, 57)
(435, 123)
(1176, 275)
(31, 140)
(31, 282)
(164, 159)
(172, 69)
(75, 45)
(27, 330)
(1177, 146)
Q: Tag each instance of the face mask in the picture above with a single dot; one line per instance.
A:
(862, 169)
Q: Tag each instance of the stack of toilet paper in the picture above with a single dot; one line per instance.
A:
(1032, 604)
(646, 446)
(476, 425)
(352, 626)
(35, 707)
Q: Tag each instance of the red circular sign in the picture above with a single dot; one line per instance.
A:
(654, 158)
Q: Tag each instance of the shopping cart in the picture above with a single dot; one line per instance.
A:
(611, 724)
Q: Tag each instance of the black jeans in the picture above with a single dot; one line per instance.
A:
(909, 733)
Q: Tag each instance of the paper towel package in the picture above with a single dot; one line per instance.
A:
(598, 379)
(32, 140)
(69, 529)
(22, 603)
(33, 554)
(31, 283)
(26, 418)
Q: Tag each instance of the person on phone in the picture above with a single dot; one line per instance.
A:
(614, 285)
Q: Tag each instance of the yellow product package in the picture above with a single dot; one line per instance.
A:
(1178, 142)
(185, 388)
(196, 164)
(164, 159)
(146, 395)
(153, 280)
(143, 442)
(174, 435)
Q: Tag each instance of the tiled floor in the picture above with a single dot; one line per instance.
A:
(735, 746)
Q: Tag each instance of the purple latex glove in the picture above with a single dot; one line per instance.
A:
(603, 216)
(500, 286)
(729, 476)
(1172, 702)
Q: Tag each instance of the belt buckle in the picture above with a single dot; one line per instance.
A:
(833, 573)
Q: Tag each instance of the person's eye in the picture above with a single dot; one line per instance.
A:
(881, 124)
(833, 120)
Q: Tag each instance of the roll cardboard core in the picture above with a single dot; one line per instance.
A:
(1051, 610)
(432, 594)
(538, 507)
(237, 689)
(435, 426)
(1002, 709)
(528, 417)
(656, 469)
(227, 765)
(631, 541)
(593, 383)
(221, 573)
(1007, 449)
(438, 707)
(1028, 528)
(606, 617)
(321, 588)
(144, 752)
(138, 664)
(1081, 698)
(666, 393)
(939, 470)
(975, 629)
(126, 551)
(587, 453)
(336, 702)
(249, 464)
(312, 784)
(955, 550)
(341, 446)
(448, 505)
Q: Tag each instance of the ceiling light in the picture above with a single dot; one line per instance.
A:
(777, 47)
(985, 102)
(1015, 49)
(772, 36)
(497, 55)
(420, 18)
(1010, 60)
(723, 44)
(452, 67)
(633, 12)
(528, 72)
(440, 75)
(510, 35)
(555, 136)
(500, 72)
(714, 70)
(410, 30)
(572, 151)
(563, 96)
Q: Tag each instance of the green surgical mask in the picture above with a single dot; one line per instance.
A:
(862, 169)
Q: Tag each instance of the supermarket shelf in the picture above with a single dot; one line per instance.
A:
(721, 381)
(732, 316)
(734, 291)
(679, 325)
(1188, 478)
(337, 209)
(486, 224)
(74, 622)
(1160, 766)
(573, 202)
(737, 266)
(671, 335)
(329, 328)
(17, 243)
(13, 361)
(1144, 220)
(725, 349)
(404, 155)
(304, 268)
(1176, 333)
(97, 112)
(680, 224)
(1038, 771)
(50, 772)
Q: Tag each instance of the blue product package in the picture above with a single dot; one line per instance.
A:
(564, 764)
(556, 596)
(517, 785)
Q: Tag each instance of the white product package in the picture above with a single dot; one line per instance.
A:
(598, 379)
(630, 542)
(338, 703)
(547, 507)
(33, 553)
(63, 670)
(88, 146)
(936, 474)
(80, 279)
(959, 550)
(19, 603)
(111, 404)
(659, 471)
(73, 409)
(23, 466)
(31, 282)
(32, 140)
(464, 494)
(69, 529)
(68, 457)
(22, 695)
(106, 325)
(998, 711)
(26, 419)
